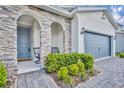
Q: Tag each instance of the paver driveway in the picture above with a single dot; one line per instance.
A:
(112, 74)
(36, 79)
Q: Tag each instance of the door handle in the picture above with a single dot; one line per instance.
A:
(99, 48)
(29, 49)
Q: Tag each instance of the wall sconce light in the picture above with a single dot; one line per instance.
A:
(82, 30)
(115, 37)
(103, 16)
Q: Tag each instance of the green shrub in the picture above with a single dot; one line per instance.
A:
(121, 55)
(69, 65)
(82, 71)
(57, 60)
(62, 73)
(81, 66)
(83, 75)
(92, 72)
(63, 59)
(51, 64)
(73, 69)
(68, 80)
(3, 75)
(88, 61)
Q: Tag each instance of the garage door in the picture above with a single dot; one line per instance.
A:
(98, 45)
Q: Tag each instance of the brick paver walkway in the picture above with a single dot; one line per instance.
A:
(111, 76)
(37, 79)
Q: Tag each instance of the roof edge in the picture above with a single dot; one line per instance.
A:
(63, 12)
(87, 9)
(54, 9)
(112, 19)
(108, 14)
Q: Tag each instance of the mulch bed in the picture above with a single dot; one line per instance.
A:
(77, 80)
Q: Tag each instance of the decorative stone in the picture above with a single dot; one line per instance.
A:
(8, 34)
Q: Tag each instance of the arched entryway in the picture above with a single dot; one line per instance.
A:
(57, 38)
(28, 40)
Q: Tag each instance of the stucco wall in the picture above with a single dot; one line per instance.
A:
(35, 33)
(74, 30)
(92, 22)
(8, 34)
(119, 42)
(57, 37)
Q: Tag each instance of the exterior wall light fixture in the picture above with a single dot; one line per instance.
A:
(103, 16)
(82, 30)
(115, 37)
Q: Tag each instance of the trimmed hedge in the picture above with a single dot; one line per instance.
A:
(73, 69)
(67, 66)
(54, 61)
(64, 75)
(121, 55)
(82, 70)
(81, 66)
(3, 75)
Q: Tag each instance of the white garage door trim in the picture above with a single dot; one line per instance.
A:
(102, 58)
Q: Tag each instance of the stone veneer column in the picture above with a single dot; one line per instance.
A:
(8, 42)
(67, 37)
(45, 40)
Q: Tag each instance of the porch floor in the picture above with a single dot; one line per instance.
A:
(36, 79)
(28, 66)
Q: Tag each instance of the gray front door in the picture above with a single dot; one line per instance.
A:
(98, 45)
(23, 43)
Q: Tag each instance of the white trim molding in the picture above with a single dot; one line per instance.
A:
(64, 12)
(102, 58)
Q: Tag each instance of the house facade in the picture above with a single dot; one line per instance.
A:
(47, 28)
(96, 32)
(25, 27)
(119, 47)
